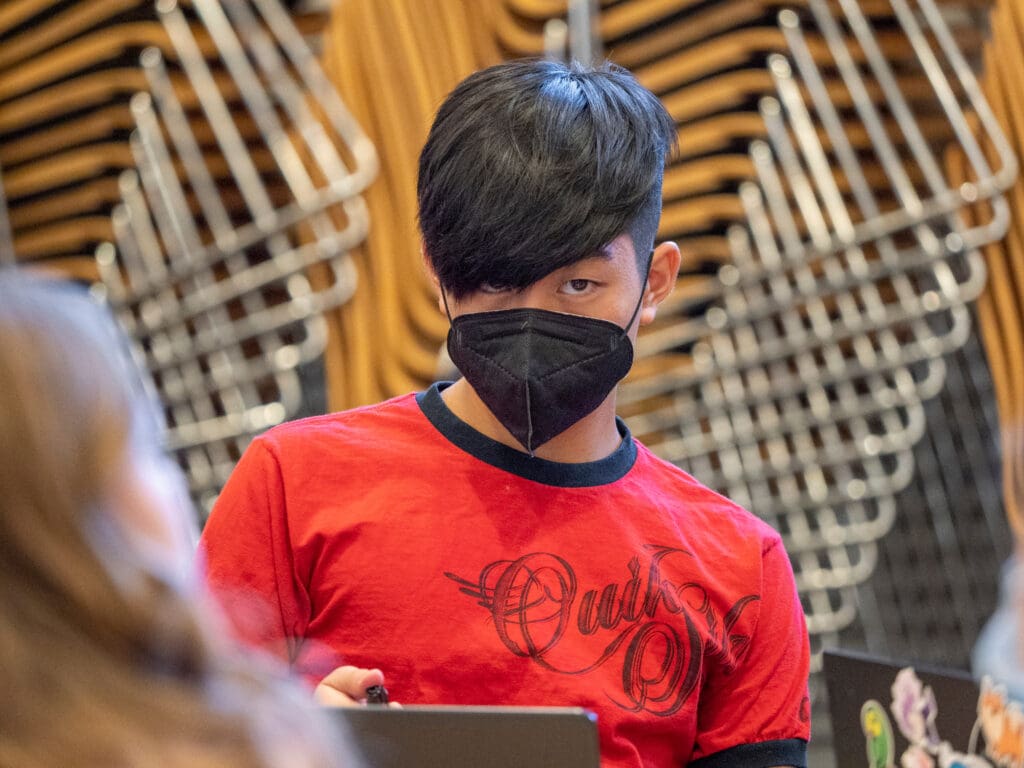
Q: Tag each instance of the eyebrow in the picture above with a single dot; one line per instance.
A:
(604, 252)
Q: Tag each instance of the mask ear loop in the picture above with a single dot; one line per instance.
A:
(444, 298)
(643, 290)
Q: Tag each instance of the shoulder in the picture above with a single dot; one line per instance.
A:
(301, 465)
(334, 429)
(702, 507)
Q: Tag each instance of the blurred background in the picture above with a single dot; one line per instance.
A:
(843, 351)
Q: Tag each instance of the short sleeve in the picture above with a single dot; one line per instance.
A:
(247, 556)
(758, 713)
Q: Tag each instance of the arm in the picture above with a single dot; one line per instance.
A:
(250, 569)
(758, 715)
(246, 551)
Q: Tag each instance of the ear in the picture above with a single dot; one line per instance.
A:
(435, 281)
(660, 280)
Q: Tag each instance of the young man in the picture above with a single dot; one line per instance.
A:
(503, 539)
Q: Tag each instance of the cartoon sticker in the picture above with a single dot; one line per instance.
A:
(997, 739)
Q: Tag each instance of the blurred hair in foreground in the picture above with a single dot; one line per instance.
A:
(109, 655)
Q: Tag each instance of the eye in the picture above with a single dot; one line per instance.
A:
(577, 287)
(488, 288)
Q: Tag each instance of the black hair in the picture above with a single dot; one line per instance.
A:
(533, 165)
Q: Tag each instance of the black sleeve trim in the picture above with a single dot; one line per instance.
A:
(766, 754)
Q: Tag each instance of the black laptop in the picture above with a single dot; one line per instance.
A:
(885, 713)
(471, 737)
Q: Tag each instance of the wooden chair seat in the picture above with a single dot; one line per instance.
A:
(622, 19)
(739, 90)
(706, 175)
(700, 249)
(393, 269)
(651, 367)
(311, 23)
(718, 173)
(736, 129)
(77, 235)
(66, 168)
(718, 133)
(92, 91)
(724, 93)
(515, 36)
(83, 163)
(96, 196)
(542, 10)
(385, 60)
(14, 13)
(689, 290)
(107, 47)
(57, 28)
(109, 122)
(741, 48)
(636, 51)
(700, 214)
(1001, 306)
(104, 123)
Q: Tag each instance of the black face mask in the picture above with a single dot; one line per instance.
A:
(540, 372)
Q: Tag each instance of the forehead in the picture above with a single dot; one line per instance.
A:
(617, 254)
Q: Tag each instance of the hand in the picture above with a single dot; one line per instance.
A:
(346, 686)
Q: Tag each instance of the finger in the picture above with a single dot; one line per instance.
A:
(327, 696)
(353, 681)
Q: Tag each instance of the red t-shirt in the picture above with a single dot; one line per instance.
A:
(396, 536)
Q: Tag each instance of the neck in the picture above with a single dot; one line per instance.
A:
(592, 438)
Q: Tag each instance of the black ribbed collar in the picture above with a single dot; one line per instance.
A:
(602, 472)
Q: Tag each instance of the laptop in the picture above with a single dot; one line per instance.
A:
(885, 713)
(471, 737)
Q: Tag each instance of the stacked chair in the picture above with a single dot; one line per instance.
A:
(803, 388)
(1001, 306)
(67, 71)
(199, 168)
(934, 583)
(232, 228)
(193, 162)
(394, 63)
